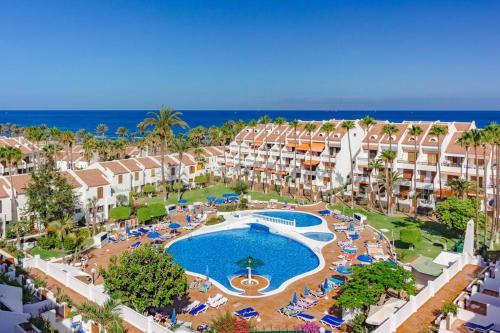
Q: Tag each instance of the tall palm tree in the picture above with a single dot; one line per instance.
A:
(439, 132)
(310, 128)
(390, 130)
(374, 165)
(294, 124)
(252, 124)
(388, 157)
(367, 123)
(68, 140)
(415, 131)
(11, 156)
(465, 142)
(180, 145)
(487, 138)
(142, 128)
(265, 120)
(92, 209)
(107, 317)
(89, 146)
(50, 152)
(122, 131)
(163, 123)
(349, 125)
(328, 128)
(62, 227)
(280, 121)
(475, 137)
(101, 129)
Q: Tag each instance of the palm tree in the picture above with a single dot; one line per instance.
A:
(252, 124)
(107, 317)
(295, 125)
(101, 129)
(92, 209)
(374, 165)
(141, 128)
(11, 156)
(19, 227)
(475, 137)
(367, 122)
(465, 142)
(390, 130)
(122, 131)
(459, 187)
(415, 131)
(68, 139)
(62, 227)
(487, 138)
(180, 145)
(328, 128)
(310, 128)
(89, 146)
(349, 125)
(388, 157)
(50, 152)
(280, 121)
(163, 122)
(264, 120)
(439, 131)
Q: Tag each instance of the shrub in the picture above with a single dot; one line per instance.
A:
(45, 242)
(121, 199)
(148, 189)
(410, 235)
(216, 220)
(157, 210)
(144, 214)
(84, 233)
(119, 213)
(201, 179)
(449, 308)
(454, 213)
(240, 187)
(358, 324)
(69, 244)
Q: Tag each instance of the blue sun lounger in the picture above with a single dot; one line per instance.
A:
(332, 321)
(199, 309)
(112, 240)
(473, 327)
(305, 317)
(135, 245)
(243, 311)
(250, 315)
(142, 230)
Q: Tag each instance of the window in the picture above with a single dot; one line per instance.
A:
(136, 176)
(172, 171)
(153, 172)
(191, 169)
(412, 156)
(100, 193)
(120, 179)
(100, 209)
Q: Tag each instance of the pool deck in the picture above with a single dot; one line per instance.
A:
(268, 307)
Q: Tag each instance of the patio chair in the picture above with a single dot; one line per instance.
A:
(476, 328)
(332, 321)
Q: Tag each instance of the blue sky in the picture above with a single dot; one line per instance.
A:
(251, 54)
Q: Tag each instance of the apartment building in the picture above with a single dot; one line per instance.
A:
(28, 149)
(303, 159)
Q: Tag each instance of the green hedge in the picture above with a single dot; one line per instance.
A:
(119, 213)
(146, 214)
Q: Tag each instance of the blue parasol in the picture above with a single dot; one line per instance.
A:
(381, 236)
(294, 298)
(210, 198)
(188, 218)
(325, 212)
(153, 234)
(173, 317)
(182, 201)
(365, 258)
(326, 285)
(307, 292)
(220, 201)
(174, 225)
(344, 270)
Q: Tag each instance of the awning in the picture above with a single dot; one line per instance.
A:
(317, 147)
(303, 146)
(260, 169)
(425, 265)
(291, 144)
(310, 162)
(257, 143)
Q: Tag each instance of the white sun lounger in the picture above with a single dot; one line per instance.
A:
(191, 306)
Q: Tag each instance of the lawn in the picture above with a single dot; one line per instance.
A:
(434, 235)
(46, 254)
(201, 194)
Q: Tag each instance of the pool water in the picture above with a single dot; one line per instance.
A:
(319, 236)
(301, 219)
(218, 253)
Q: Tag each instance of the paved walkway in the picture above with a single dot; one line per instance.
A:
(424, 317)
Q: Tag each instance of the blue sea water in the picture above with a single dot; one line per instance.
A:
(74, 120)
(219, 252)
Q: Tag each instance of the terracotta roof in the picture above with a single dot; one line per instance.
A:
(186, 159)
(13, 142)
(4, 188)
(397, 136)
(462, 126)
(375, 133)
(148, 162)
(169, 161)
(409, 140)
(71, 180)
(92, 177)
(115, 167)
(20, 182)
(131, 164)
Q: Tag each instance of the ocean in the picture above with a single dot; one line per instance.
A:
(74, 120)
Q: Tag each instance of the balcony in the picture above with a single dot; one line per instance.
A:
(426, 184)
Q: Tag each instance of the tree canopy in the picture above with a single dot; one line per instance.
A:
(50, 196)
(454, 213)
(144, 278)
(369, 282)
(410, 235)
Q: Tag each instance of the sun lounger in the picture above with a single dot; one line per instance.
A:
(135, 245)
(243, 311)
(112, 240)
(189, 227)
(332, 321)
(143, 230)
(289, 312)
(191, 306)
(318, 294)
(204, 287)
(310, 300)
(473, 327)
(305, 317)
(199, 309)
(249, 315)
(221, 301)
(133, 234)
(214, 299)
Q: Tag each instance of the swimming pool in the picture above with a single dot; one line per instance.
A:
(320, 236)
(217, 252)
(301, 219)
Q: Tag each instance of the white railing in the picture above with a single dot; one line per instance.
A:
(90, 292)
(290, 223)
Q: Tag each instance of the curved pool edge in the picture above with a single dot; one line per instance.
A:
(242, 222)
